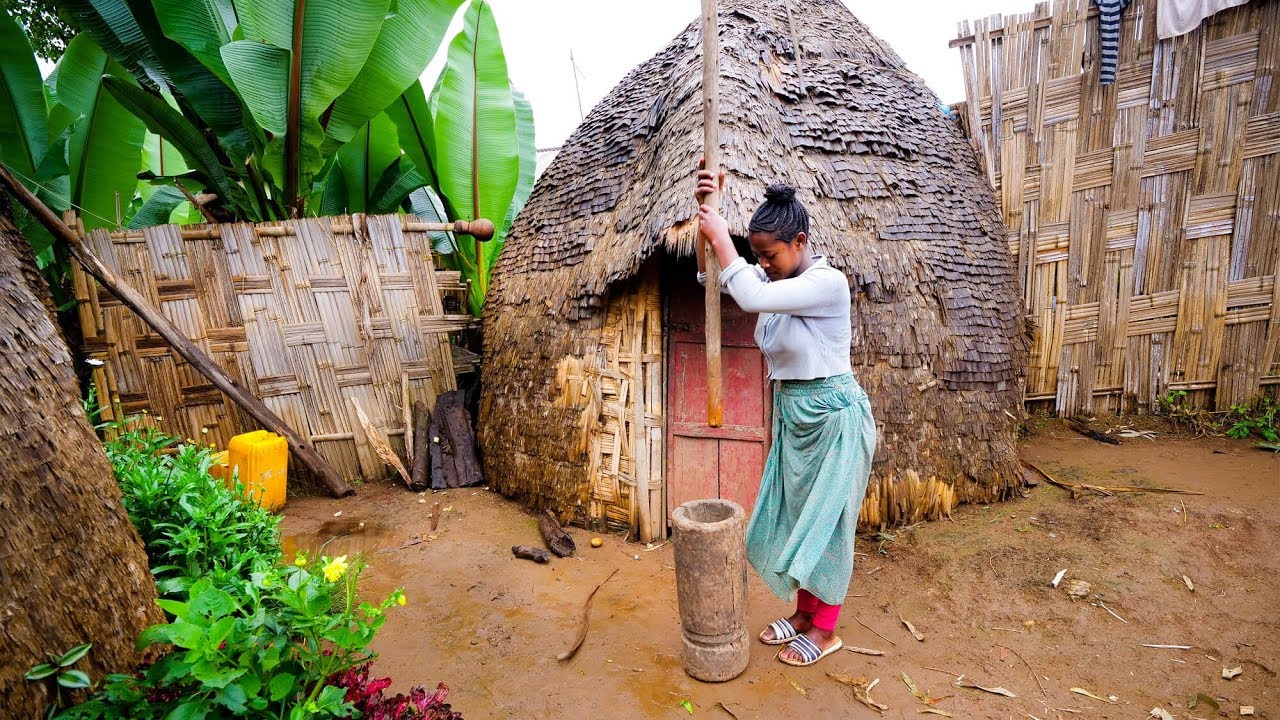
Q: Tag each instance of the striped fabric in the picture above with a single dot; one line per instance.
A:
(1109, 12)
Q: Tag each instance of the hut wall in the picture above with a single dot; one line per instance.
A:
(626, 456)
(309, 315)
(587, 441)
(1144, 215)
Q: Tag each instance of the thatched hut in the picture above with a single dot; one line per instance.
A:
(593, 395)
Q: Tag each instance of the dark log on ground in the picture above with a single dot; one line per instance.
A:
(453, 445)
(531, 553)
(418, 477)
(560, 542)
(1090, 432)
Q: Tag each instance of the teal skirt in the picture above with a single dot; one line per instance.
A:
(802, 528)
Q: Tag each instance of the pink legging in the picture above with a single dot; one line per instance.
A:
(824, 615)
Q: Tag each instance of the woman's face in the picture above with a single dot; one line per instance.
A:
(780, 259)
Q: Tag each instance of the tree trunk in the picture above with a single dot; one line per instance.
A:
(72, 568)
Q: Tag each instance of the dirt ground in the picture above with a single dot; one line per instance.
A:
(977, 587)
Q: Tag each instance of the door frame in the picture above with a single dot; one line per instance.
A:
(765, 437)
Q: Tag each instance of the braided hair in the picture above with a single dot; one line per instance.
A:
(781, 215)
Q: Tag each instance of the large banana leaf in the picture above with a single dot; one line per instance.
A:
(528, 164)
(165, 203)
(426, 204)
(412, 117)
(104, 151)
(171, 125)
(158, 208)
(408, 40)
(361, 162)
(24, 126)
(24, 136)
(477, 146)
(131, 32)
(335, 38)
(394, 185)
(200, 26)
(115, 27)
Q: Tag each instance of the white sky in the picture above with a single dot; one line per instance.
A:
(610, 37)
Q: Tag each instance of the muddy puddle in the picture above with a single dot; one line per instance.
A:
(341, 536)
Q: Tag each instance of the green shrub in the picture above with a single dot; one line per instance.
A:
(249, 637)
(1250, 419)
(266, 647)
(192, 524)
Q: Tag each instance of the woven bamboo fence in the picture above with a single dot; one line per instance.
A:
(314, 316)
(1145, 215)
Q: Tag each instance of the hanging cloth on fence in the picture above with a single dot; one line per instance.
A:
(1109, 12)
(1179, 17)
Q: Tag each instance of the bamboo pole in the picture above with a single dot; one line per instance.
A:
(176, 339)
(711, 152)
(481, 229)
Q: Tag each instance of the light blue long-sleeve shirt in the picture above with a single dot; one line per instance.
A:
(803, 329)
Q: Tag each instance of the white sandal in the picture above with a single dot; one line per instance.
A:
(783, 633)
(808, 650)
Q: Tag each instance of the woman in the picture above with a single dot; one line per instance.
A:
(800, 539)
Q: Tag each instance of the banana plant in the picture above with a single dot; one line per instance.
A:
(281, 109)
(478, 146)
(105, 148)
(68, 140)
(274, 88)
(24, 133)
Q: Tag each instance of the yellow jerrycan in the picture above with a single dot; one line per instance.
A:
(262, 460)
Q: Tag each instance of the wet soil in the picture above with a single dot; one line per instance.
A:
(977, 587)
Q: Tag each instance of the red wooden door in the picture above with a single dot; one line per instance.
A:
(705, 462)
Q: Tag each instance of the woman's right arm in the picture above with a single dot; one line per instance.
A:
(706, 186)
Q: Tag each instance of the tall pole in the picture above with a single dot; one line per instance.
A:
(576, 90)
(711, 152)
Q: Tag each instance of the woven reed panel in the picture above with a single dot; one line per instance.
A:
(619, 393)
(309, 315)
(1144, 215)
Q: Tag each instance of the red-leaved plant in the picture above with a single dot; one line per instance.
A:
(365, 693)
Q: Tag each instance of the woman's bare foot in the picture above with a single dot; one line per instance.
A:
(822, 638)
(801, 621)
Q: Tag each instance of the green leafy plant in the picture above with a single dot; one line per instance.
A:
(192, 524)
(49, 32)
(67, 141)
(266, 647)
(248, 636)
(60, 675)
(1258, 419)
(1240, 421)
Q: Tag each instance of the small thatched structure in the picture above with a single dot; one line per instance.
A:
(590, 370)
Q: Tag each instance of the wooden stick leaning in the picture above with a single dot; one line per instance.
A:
(134, 300)
(1107, 490)
(711, 152)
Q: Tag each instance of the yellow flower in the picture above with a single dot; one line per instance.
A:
(401, 600)
(301, 560)
(336, 568)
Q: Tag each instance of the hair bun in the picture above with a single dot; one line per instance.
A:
(779, 193)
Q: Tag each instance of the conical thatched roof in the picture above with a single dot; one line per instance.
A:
(897, 204)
